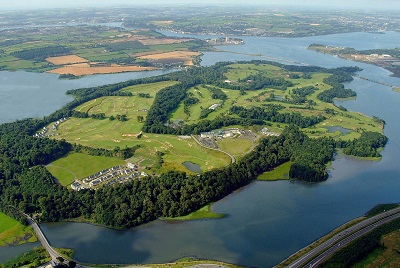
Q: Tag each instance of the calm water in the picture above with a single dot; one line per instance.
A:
(24, 94)
(267, 221)
(192, 166)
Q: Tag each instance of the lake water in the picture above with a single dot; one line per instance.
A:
(24, 94)
(342, 130)
(267, 221)
(192, 166)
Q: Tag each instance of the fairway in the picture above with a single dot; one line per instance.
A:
(13, 232)
(78, 165)
(109, 134)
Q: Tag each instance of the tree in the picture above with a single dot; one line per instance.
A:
(140, 118)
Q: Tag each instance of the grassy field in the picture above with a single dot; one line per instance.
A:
(236, 147)
(110, 134)
(353, 121)
(77, 165)
(384, 257)
(279, 173)
(113, 46)
(13, 232)
(203, 213)
(113, 133)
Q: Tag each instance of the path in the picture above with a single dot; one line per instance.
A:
(69, 171)
(199, 143)
(320, 253)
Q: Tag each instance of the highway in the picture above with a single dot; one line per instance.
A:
(320, 253)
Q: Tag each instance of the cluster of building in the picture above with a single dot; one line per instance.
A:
(226, 133)
(45, 131)
(116, 174)
(266, 132)
(225, 41)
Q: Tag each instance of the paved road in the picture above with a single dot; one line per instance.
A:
(53, 254)
(202, 145)
(326, 249)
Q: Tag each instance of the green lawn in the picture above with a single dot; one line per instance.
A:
(236, 147)
(12, 232)
(80, 165)
(203, 213)
(279, 173)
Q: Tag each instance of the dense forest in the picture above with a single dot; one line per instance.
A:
(40, 54)
(27, 185)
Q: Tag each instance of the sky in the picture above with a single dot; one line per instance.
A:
(359, 4)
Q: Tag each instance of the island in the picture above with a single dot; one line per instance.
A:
(385, 58)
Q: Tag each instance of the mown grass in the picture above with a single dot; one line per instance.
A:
(81, 165)
(110, 134)
(235, 146)
(12, 232)
(279, 173)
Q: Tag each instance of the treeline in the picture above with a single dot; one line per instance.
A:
(273, 115)
(259, 81)
(304, 91)
(366, 146)
(124, 153)
(40, 54)
(359, 249)
(128, 45)
(217, 93)
(339, 76)
(13, 213)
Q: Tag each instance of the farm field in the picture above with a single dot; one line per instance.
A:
(170, 57)
(13, 232)
(103, 49)
(79, 70)
(78, 165)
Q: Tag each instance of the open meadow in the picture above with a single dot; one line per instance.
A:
(78, 166)
(109, 134)
(160, 153)
(12, 232)
(352, 122)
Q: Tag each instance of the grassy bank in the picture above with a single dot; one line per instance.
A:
(12, 232)
(279, 173)
(203, 213)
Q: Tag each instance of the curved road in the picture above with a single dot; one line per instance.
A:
(202, 145)
(320, 253)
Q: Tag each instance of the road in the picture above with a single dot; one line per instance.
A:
(199, 143)
(53, 254)
(320, 253)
